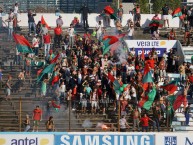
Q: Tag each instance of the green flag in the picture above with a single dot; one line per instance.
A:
(151, 96)
(147, 78)
(48, 69)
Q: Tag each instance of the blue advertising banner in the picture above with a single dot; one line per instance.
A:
(104, 139)
(160, 51)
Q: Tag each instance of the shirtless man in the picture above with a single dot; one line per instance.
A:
(136, 118)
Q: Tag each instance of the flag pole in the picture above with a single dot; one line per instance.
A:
(119, 114)
(69, 116)
(20, 103)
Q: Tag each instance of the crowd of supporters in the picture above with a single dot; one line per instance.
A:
(82, 72)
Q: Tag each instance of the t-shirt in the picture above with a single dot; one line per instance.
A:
(47, 39)
(71, 32)
(59, 22)
(145, 121)
(10, 24)
(58, 31)
(16, 8)
(122, 123)
(37, 114)
(35, 42)
(165, 10)
(130, 32)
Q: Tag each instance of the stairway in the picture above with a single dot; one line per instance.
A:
(8, 116)
(188, 52)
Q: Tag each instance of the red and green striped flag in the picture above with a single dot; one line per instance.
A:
(151, 63)
(48, 69)
(111, 43)
(156, 23)
(110, 11)
(22, 44)
(178, 13)
(55, 79)
(176, 101)
(171, 87)
(147, 101)
(148, 78)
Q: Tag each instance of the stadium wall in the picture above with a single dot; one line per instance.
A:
(96, 138)
(50, 18)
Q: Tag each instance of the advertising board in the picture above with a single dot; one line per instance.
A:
(104, 139)
(174, 138)
(160, 45)
(26, 139)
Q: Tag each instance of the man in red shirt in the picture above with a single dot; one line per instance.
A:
(145, 122)
(58, 35)
(47, 41)
(37, 117)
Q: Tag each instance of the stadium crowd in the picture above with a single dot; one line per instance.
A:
(81, 74)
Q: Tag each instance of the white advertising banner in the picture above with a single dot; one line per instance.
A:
(26, 139)
(184, 138)
(160, 45)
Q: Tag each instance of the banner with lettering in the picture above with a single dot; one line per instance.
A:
(160, 46)
(184, 138)
(115, 138)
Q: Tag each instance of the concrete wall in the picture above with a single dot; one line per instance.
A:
(50, 18)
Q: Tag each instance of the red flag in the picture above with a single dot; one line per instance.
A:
(113, 39)
(146, 69)
(142, 55)
(151, 63)
(21, 40)
(111, 77)
(39, 71)
(179, 100)
(170, 87)
(108, 10)
(55, 59)
(142, 101)
(43, 22)
(55, 105)
(145, 86)
(55, 79)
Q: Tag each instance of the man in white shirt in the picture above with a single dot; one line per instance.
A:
(59, 21)
(99, 30)
(35, 43)
(71, 33)
(123, 124)
(16, 10)
(130, 32)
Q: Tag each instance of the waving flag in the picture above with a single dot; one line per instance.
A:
(22, 44)
(48, 69)
(55, 79)
(111, 43)
(156, 23)
(55, 105)
(43, 22)
(178, 13)
(176, 101)
(147, 101)
(151, 63)
(110, 11)
(170, 87)
(142, 56)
